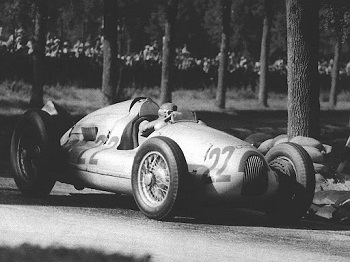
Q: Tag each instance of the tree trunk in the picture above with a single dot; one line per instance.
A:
(303, 79)
(36, 100)
(335, 73)
(110, 48)
(168, 55)
(223, 59)
(264, 53)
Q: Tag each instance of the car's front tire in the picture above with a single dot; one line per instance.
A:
(158, 178)
(30, 154)
(296, 177)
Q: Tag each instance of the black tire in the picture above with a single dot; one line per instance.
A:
(31, 154)
(296, 177)
(147, 189)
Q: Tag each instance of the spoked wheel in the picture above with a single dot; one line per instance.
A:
(154, 178)
(30, 151)
(158, 178)
(296, 177)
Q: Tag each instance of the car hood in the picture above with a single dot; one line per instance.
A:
(196, 140)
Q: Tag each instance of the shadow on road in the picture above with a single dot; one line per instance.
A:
(253, 218)
(125, 205)
(10, 196)
(29, 253)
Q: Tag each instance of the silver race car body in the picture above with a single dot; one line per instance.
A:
(222, 166)
(106, 150)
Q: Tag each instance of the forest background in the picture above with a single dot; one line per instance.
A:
(142, 23)
(141, 27)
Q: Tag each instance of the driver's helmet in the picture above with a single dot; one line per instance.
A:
(166, 109)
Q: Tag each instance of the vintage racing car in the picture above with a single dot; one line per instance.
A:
(181, 162)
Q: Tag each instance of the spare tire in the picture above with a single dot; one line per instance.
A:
(30, 153)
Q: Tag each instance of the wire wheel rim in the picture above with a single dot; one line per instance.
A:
(286, 166)
(29, 152)
(153, 178)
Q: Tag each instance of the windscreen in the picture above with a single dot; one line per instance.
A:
(185, 115)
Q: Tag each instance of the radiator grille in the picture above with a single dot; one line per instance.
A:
(255, 176)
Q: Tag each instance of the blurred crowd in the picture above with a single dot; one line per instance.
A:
(19, 44)
(243, 71)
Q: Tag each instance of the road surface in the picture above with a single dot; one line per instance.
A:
(110, 223)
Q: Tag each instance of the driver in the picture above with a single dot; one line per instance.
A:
(164, 113)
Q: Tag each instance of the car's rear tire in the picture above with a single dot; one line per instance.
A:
(159, 178)
(296, 177)
(30, 154)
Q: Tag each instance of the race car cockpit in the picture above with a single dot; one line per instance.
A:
(148, 111)
(151, 118)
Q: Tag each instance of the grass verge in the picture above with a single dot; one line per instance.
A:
(15, 96)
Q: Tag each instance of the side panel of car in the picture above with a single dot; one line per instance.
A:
(215, 160)
(102, 161)
(93, 157)
(102, 182)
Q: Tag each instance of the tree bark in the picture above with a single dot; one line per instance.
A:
(335, 73)
(303, 79)
(36, 99)
(110, 50)
(168, 54)
(223, 59)
(264, 53)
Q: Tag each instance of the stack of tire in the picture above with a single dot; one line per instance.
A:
(317, 151)
(332, 204)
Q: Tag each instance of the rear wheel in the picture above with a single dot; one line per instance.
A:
(158, 178)
(296, 177)
(30, 154)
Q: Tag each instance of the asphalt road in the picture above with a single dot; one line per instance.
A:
(92, 219)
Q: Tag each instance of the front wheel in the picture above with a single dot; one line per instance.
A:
(158, 178)
(296, 177)
(29, 154)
